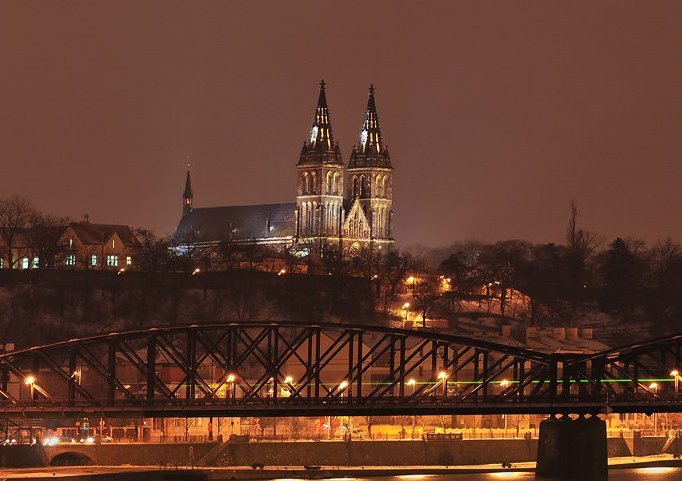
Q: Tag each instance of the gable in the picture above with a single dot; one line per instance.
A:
(356, 225)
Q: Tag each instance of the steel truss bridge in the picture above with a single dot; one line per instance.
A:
(298, 369)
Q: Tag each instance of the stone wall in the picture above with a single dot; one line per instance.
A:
(325, 453)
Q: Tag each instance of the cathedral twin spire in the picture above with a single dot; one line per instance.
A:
(370, 151)
(321, 147)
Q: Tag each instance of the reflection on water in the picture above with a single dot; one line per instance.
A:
(638, 474)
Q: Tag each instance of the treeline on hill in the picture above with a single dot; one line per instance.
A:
(623, 277)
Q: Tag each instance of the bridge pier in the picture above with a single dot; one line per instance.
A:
(572, 449)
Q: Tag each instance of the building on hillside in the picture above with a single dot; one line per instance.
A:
(338, 206)
(99, 246)
(78, 245)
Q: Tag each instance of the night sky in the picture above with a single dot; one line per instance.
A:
(496, 113)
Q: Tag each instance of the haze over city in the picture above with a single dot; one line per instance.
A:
(496, 115)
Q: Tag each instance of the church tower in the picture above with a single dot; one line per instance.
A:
(319, 196)
(370, 175)
(187, 195)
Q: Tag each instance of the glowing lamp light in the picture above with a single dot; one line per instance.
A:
(343, 385)
(30, 380)
(288, 380)
(406, 305)
(411, 382)
(674, 373)
(504, 383)
(196, 271)
(230, 378)
(442, 375)
(282, 272)
(653, 386)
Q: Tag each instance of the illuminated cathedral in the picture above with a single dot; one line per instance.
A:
(338, 205)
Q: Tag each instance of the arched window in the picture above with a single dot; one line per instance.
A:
(336, 183)
(363, 182)
(356, 186)
(304, 218)
(313, 190)
(306, 183)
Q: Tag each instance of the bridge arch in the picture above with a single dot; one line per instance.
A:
(71, 458)
(296, 368)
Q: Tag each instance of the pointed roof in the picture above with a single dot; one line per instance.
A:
(188, 185)
(371, 151)
(320, 147)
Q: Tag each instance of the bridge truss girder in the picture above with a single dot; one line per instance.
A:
(297, 369)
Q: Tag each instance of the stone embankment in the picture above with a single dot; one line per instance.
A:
(325, 453)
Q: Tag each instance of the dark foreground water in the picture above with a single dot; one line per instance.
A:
(637, 474)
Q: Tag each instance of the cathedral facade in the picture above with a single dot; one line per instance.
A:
(338, 205)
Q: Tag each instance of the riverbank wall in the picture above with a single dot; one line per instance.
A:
(301, 453)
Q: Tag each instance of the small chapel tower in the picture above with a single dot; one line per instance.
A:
(319, 196)
(187, 195)
(370, 175)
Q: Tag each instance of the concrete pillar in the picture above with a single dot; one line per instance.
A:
(572, 449)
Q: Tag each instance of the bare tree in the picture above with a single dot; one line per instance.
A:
(44, 233)
(15, 217)
(154, 254)
(663, 257)
(581, 245)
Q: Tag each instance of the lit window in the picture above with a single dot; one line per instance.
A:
(93, 260)
(113, 243)
(24, 263)
(70, 260)
(112, 261)
(70, 242)
(2, 263)
(36, 262)
(129, 260)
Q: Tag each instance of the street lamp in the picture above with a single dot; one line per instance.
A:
(654, 387)
(411, 382)
(406, 306)
(231, 381)
(676, 376)
(289, 382)
(30, 381)
(443, 376)
(504, 383)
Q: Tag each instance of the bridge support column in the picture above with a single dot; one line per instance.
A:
(572, 449)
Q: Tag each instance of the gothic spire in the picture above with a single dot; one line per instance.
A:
(188, 184)
(371, 151)
(320, 147)
(187, 195)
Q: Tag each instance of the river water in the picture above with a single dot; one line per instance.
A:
(637, 474)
